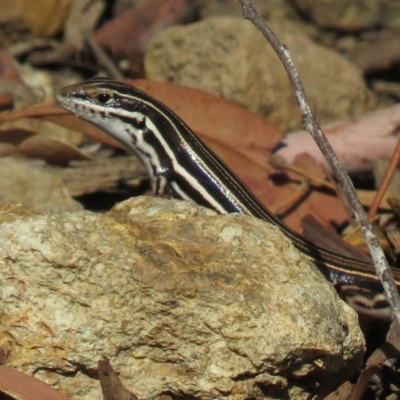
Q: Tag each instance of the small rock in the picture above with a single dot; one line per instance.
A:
(273, 9)
(350, 15)
(182, 301)
(229, 57)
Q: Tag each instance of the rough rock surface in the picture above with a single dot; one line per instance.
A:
(183, 301)
(229, 57)
(21, 182)
(351, 15)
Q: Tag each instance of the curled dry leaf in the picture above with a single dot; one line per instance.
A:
(358, 143)
(51, 150)
(21, 142)
(24, 387)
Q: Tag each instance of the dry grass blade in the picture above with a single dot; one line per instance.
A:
(394, 162)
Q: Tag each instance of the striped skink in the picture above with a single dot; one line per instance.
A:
(181, 166)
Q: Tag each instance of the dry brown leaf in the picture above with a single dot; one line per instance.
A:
(343, 392)
(24, 387)
(255, 176)
(322, 237)
(358, 143)
(21, 142)
(128, 34)
(53, 113)
(51, 150)
(15, 136)
(35, 110)
(324, 206)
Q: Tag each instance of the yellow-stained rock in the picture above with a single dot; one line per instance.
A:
(183, 301)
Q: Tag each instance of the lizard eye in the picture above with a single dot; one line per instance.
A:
(103, 98)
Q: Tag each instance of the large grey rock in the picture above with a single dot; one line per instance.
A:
(183, 302)
(229, 57)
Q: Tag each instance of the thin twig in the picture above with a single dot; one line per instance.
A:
(310, 125)
(391, 169)
(103, 58)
